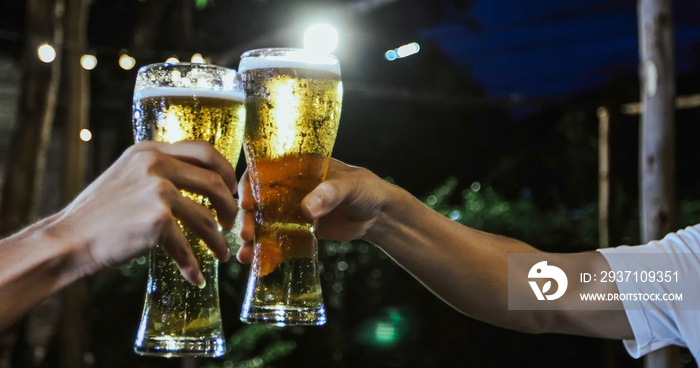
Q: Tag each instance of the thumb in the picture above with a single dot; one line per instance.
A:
(322, 200)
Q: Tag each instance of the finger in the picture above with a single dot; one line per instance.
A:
(195, 179)
(198, 153)
(200, 221)
(247, 228)
(323, 199)
(178, 248)
(245, 193)
(245, 253)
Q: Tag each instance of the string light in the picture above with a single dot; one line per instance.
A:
(126, 62)
(197, 59)
(85, 135)
(88, 61)
(46, 53)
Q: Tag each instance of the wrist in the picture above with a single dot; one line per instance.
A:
(398, 206)
(73, 253)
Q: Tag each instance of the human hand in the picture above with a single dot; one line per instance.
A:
(348, 204)
(134, 205)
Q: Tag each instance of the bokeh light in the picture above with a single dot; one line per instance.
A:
(85, 135)
(197, 59)
(46, 53)
(88, 61)
(321, 37)
(127, 62)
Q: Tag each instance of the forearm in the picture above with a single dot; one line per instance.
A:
(34, 263)
(468, 269)
(465, 267)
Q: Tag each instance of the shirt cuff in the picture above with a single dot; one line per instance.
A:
(643, 342)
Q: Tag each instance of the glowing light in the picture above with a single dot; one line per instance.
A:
(85, 135)
(171, 130)
(172, 60)
(321, 37)
(284, 116)
(385, 333)
(46, 53)
(402, 51)
(127, 62)
(88, 62)
(197, 59)
(408, 50)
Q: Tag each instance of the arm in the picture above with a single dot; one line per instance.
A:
(465, 267)
(130, 208)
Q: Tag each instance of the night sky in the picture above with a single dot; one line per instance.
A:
(547, 48)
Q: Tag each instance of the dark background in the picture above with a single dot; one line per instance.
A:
(503, 93)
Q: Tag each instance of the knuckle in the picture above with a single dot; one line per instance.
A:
(162, 188)
(209, 222)
(161, 216)
(147, 160)
(218, 184)
(204, 149)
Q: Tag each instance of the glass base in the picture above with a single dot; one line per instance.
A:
(168, 346)
(280, 315)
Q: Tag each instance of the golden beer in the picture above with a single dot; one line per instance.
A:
(179, 318)
(293, 103)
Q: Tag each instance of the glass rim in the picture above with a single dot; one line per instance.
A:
(278, 51)
(177, 78)
(288, 57)
(185, 64)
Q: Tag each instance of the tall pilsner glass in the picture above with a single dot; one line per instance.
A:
(175, 102)
(293, 101)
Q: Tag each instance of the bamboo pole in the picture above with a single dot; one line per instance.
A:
(657, 134)
(603, 177)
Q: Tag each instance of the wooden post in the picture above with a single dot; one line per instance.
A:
(603, 178)
(73, 331)
(657, 134)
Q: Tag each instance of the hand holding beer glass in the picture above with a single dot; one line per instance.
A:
(293, 102)
(175, 102)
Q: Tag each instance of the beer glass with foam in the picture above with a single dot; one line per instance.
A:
(175, 102)
(293, 102)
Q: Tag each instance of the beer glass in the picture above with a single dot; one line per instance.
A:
(175, 102)
(293, 101)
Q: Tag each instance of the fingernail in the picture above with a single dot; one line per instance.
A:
(203, 283)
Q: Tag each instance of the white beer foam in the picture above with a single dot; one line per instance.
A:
(186, 92)
(302, 60)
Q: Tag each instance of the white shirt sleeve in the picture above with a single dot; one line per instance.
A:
(655, 324)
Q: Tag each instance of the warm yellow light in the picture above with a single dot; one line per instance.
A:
(127, 62)
(171, 130)
(321, 37)
(197, 59)
(46, 53)
(88, 62)
(85, 135)
(172, 60)
(284, 116)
